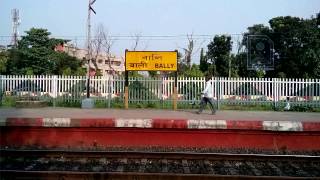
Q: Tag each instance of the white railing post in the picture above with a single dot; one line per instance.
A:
(301, 91)
(217, 87)
(54, 89)
(275, 92)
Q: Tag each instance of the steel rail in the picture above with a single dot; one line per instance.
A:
(139, 156)
(71, 175)
(148, 154)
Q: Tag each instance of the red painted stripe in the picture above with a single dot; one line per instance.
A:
(311, 126)
(24, 122)
(170, 123)
(93, 122)
(88, 138)
(242, 124)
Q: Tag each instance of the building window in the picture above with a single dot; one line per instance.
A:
(100, 61)
(117, 63)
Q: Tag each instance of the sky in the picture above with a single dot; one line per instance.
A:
(165, 22)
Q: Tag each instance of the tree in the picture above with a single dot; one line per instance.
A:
(102, 45)
(258, 34)
(136, 43)
(185, 71)
(297, 44)
(203, 62)
(318, 20)
(190, 51)
(182, 67)
(296, 50)
(35, 54)
(193, 72)
(4, 56)
(65, 64)
(241, 66)
(257, 29)
(219, 51)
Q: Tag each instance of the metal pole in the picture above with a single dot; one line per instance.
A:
(126, 90)
(89, 49)
(175, 91)
(109, 91)
(175, 88)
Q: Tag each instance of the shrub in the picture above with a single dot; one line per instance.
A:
(68, 103)
(303, 108)
(9, 101)
(153, 105)
(100, 104)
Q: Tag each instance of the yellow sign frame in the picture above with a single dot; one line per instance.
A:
(151, 61)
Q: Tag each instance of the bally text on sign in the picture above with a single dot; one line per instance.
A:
(151, 60)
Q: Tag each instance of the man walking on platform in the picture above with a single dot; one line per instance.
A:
(207, 96)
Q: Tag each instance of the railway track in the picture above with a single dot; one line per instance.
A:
(53, 164)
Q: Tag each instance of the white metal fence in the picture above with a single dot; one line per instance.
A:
(274, 91)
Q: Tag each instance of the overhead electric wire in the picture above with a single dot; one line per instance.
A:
(149, 37)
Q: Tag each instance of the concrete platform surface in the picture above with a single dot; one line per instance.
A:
(157, 114)
(160, 119)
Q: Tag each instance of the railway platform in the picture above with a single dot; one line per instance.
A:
(72, 128)
(150, 118)
(152, 113)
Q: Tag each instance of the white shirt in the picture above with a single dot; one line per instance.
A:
(208, 90)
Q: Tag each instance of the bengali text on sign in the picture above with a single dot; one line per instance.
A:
(151, 60)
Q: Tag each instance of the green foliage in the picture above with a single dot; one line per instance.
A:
(134, 74)
(67, 72)
(297, 41)
(68, 103)
(296, 45)
(98, 72)
(140, 105)
(249, 107)
(117, 103)
(137, 105)
(80, 71)
(260, 73)
(153, 105)
(33, 52)
(9, 101)
(304, 108)
(29, 71)
(100, 104)
(138, 91)
(153, 74)
(203, 62)
(219, 53)
(64, 64)
(4, 56)
(193, 72)
(35, 55)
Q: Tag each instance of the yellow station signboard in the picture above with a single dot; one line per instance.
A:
(151, 60)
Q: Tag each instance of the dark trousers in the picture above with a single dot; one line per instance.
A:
(204, 102)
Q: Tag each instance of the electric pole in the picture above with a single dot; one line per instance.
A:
(89, 55)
